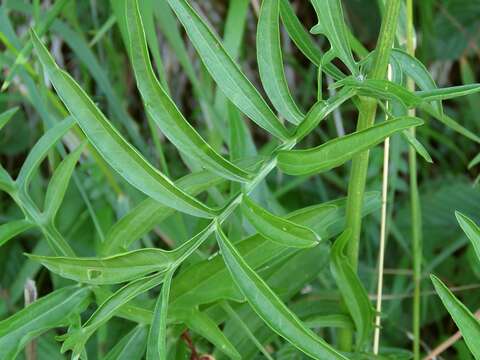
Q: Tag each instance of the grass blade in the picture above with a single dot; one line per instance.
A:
(59, 183)
(6, 116)
(337, 151)
(270, 62)
(270, 308)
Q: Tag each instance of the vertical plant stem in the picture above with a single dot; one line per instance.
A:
(416, 213)
(383, 231)
(367, 112)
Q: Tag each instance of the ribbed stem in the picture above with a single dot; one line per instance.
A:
(416, 212)
(367, 113)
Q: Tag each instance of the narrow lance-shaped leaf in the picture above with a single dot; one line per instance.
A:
(123, 267)
(123, 157)
(303, 39)
(12, 229)
(270, 62)
(76, 339)
(474, 161)
(417, 145)
(164, 111)
(270, 308)
(131, 346)
(321, 110)
(331, 23)
(338, 151)
(467, 323)
(448, 93)
(40, 151)
(276, 229)
(49, 312)
(6, 182)
(353, 293)
(157, 336)
(415, 70)
(225, 72)
(59, 183)
(470, 229)
(382, 89)
(6, 116)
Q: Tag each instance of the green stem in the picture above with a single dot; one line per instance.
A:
(416, 212)
(367, 112)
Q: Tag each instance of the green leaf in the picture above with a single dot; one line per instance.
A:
(76, 339)
(157, 336)
(321, 110)
(164, 111)
(270, 308)
(474, 161)
(40, 151)
(470, 229)
(353, 293)
(6, 182)
(331, 320)
(415, 70)
(382, 89)
(417, 145)
(304, 41)
(270, 62)
(142, 218)
(123, 267)
(12, 229)
(225, 71)
(202, 324)
(448, 121)
(6, 116)
(131, 346)
(49, 312)
(331, 24)
(59, 183)
(448, 93)
(468, 325)
(276, 229)
(338, 151)
(123, 157)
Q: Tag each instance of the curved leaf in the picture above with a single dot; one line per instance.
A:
(40, 150)
(417, 145)
(468, 325)
(12, 229)
(270, 62)
(470, 229)
(51, 311)
(225, 72)
(6, 116)
(131, 346)
(157, 336)
(164, 111)
(270, 308)
(127, 161)
(448, 93)
(59, 183)
(276, 229)
(331, 23)
(353, 293)
(337, 151)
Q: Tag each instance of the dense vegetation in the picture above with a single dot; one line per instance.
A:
(239, 179)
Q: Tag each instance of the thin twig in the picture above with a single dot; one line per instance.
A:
(383, 227)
